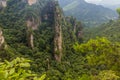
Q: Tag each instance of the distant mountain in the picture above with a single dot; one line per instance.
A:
(113, 7)
(110, 2)
(90, 14)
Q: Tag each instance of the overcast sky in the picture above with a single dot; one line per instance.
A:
(110, 2)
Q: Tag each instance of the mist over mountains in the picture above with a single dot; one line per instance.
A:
(112, 4)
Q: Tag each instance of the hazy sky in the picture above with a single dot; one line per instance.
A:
(110, 2)
(93, 0)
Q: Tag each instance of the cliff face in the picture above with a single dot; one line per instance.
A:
(30, 2)
(3, 3)
(33, 20)
(58, 33)
(52, 14)
(2, 41)
(32, 25)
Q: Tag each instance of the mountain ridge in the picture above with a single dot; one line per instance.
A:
(86, 12)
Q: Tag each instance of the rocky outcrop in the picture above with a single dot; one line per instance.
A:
(31, 2)
(2, 40)
(58, 33)
(31, 26)
(33, 19)
(77, 27)
(79, 32)
(3, 3)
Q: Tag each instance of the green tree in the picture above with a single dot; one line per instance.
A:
(17, 69)
(118, 11)
(106, 75)
(100, 54)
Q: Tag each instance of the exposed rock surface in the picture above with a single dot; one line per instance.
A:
(58, 33)
(31, 26)
(30, 2)
(3, 3)
(2, 40)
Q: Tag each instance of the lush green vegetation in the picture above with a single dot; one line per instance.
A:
(82, 58)
(101, 58)
(17, 69)
(109, 30)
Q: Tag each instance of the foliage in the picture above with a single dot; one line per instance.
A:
(95, 58)
(106, 75)
(109, 30)
(118, 11)
(17, 69)
(100, 54)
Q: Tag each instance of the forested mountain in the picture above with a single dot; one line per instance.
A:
(37, 42)
(113, 7)
(109, 30)
(110, 2)
(89, 13)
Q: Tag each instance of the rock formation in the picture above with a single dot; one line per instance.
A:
(2, 40)
(58, 33)
(3, 3)
(30, 2)
(32, 25)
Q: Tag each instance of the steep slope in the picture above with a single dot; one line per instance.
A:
(90, 14)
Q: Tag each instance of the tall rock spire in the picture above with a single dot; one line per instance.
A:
(2, 40)
(58, 32)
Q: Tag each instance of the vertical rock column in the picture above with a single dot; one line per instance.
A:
(31, 26)
(58, 33)
(1, 40)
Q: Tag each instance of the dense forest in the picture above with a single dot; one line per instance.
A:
(39, 42)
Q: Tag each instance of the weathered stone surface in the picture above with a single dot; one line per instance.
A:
(58, 33)
(30, 2)
(3, 3)
(2, 40)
